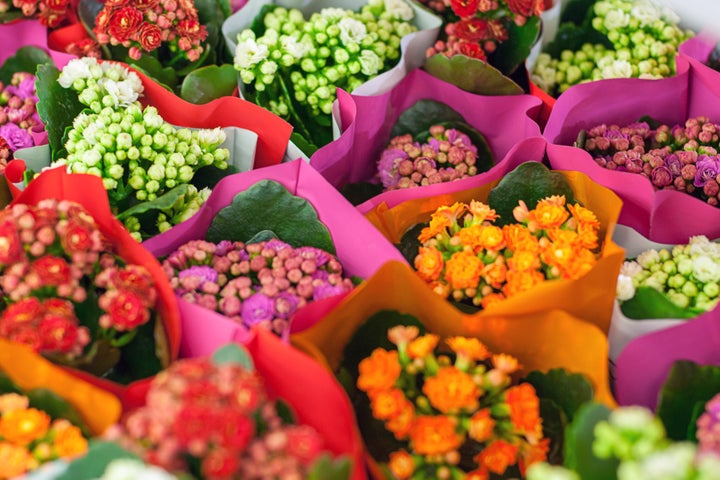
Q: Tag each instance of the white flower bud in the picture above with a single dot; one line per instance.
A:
(249, 53)
(351, 31)
(370, 63)
(76, 69)
(625, 290)
(399, 9)
(705, 269)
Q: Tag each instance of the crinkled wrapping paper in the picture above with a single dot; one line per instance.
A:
(597, 287)
(663, 216)
(360, 248)
(88, 190)
(413, 46)
(366, 123)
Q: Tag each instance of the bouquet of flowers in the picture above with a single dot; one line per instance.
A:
(292, 65)
(254, 283)
(216, 418)
(51, 13)
(456, 415)
(610, 39)
(677, 157)
(18, 117)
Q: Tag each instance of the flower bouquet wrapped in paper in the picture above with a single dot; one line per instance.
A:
(291, 56)
(609, 39)
(652, 205)
(517, 244)
(365, 164)
(262, 410)
(79, 290)
(265, 244)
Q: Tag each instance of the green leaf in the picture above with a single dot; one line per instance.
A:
(649, 303)
(235, 354)
(10, 16)
(285, 412)
(512, 53)
(568, 390)
(530, 182)
(26, 59)
(258, 23)
(57, 407)
(579, 437)
(208, 83)
(152, 67)
(687, 384)
(7, 385)
(471, 75)
(325, 467)
(652, 122)
(572, 37)
(357, 193)
(409, 243)
(554, 423)
(94, 463)
(209, 176)
(50, 95)
(263, 236)
(163, 202)
(577, 11)
(139, 358)
(267, 205)
(422, 115)
(304, 144)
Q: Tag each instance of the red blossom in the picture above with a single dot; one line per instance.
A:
(527, 8)
(194, 425)
(125, 310)
(24, 311)
(58, 333)
(76, 238)
(27, 335)
(124, 22)
(57, 5)
(220, 463)
(472, 29)
(150, 36)
(112, 4)
(304, 443)
(145, 4)
(59, 307)
(51, 270)
(234, 430)
(135, 279)
(472, 50)
(191, 28)
(464, 8)
(10, 244)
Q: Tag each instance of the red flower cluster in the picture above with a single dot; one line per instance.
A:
(144, 25)
(53, 260)
(220, 418)
(50, 12)
(474, 28)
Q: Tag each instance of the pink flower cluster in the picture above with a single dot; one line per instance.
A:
(679, 157)
(446, 156)
(50, 13)
(51, 255)
(18, 115)
(220, 417)
(254, 284)
(145, 25)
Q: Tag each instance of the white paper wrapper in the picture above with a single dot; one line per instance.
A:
(412, 46)
(623, 329)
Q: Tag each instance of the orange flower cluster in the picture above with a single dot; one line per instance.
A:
(466, 256)
(29, 437)
(437, 404)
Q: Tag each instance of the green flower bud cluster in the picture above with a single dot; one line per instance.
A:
(302, 61)
(689, 275)
(644, 39)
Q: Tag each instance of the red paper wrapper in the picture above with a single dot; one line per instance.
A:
(360, 248)
(88, 190)
(366, 123)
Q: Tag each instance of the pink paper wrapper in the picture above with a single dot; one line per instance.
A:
(366, 123)
(663, 216)
(361, 249)
(698, 47)
(28, 33)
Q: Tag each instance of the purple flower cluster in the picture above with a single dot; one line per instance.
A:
(18, 115)
(708, 427)
(255, 284)
(680, 157)
(446, 156)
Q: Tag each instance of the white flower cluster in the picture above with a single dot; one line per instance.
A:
(689, 275)
(131, 469)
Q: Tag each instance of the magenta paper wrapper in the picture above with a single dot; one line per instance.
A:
(366, 123)
(27, 33)
(361, 249)
(698, 47)
(663, 216)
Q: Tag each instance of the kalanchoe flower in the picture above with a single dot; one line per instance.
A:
(51, 13)
(18, 115)
(708, 427)
(255, 284)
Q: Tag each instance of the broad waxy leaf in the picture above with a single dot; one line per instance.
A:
(56, 120)
(568, 390)
(26, 59)
(327, 468)
(513, 52)
(649, 303)
(304, 144)
(554, 423)
(529, 182)
(687, 384)
(93, 464)
(7, 385)
(208, 83)
(578, 12)
(268, 205)
(233, 353)
(151, 66)
(422, 115)
(579, 437)
(472, 75)
(163, 202)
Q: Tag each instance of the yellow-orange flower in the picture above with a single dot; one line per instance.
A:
(552, 200)
(481, 425)
(518, 282)
(13, 401)
(434, 435)
(495, 273)
(479, 474)
(558, 254)
(463, 270)
(492, 238)
(497, 456)
(562, 235)
(523, 261)
(587, 236)
(402, 334)
(451, 390)
(491, 299)
(68, 440)
(429, 263)
(471, 348)
(400, 424)
(481, 211)
(422, 346)
(518, 237)
(470, 237)
(583, 215)
(582, 262)
(441, 219)
(15, 460)
(379, 371)
(387, 403)
(548, 215)
(24, 426)
(524, 408)
(401, 465)
(533, 453)
(505, 363)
